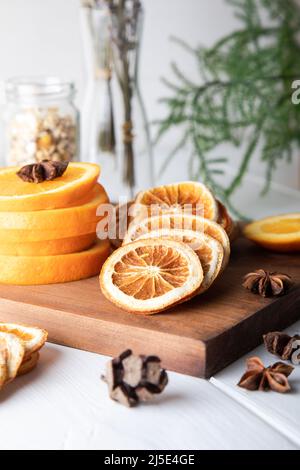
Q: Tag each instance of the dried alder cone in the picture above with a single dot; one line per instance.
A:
(267, 284)
(46, 170)
(281, 344)
(259, 377)
(131, 378)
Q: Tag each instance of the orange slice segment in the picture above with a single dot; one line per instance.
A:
(180, 221)
(32, 338)
(31, 270)
(278, 233)
(53, 219)
(191, 196)
(74, 184)
(149, 276)
(60, 246)
(209, 251)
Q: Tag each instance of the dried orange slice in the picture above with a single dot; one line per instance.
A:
(32, 338)
(76, 216)
(73, 185)
(31, 270)
(224, 218)
(15, 352)
(119, 223)
(29, 364)
(149, 276)
(192, 196)
(180, 221)
(3, 362)
(230, 227)
(60, 246)
(278, 233)
(209, 251)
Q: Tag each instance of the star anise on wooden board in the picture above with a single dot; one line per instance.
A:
(267, 284)
(46, 170)
(281, 344)
(259, 377)
(131, 378)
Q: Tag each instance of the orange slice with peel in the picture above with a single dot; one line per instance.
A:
(17, 195)
(59, 246)
(180, 221)
(31, 270)
(32, 338)
(76, 216)
(64, 231)
(190, 196)
(149, 276)
(278, 233)
(209, 251)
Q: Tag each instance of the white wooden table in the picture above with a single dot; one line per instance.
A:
(63, 404)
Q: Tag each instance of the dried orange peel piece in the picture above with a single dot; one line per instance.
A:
(180, 221)
(32, 338)
(150, 276)
(209, 251)
(72, 186)
(31, 270)
(278, 233)
(175, 197)
(45, 220)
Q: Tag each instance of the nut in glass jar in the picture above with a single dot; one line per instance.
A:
(41, 121)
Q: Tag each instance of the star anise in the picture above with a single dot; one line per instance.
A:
(259, 377)
(45, 170)
(267, 284)
(281, 344)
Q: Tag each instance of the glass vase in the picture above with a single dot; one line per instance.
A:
(115, 130)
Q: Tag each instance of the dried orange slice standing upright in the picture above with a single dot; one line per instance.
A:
(17, 195)
(180, 221)
(209, 251)
(190, 196)
(149, 276)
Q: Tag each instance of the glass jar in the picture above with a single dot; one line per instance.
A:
(41, 121)
(115, 129)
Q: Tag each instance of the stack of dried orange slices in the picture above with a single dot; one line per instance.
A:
(19, 350)
(48, 227)
(176, 245)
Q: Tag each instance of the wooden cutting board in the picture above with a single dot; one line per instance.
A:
(198, 338)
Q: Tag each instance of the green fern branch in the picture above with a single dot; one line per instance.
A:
(243, 96)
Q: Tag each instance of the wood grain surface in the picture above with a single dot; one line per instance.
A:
(198, 338)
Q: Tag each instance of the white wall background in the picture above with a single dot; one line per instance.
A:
(43, 37)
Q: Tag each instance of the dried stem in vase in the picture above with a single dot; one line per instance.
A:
(125, 18)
